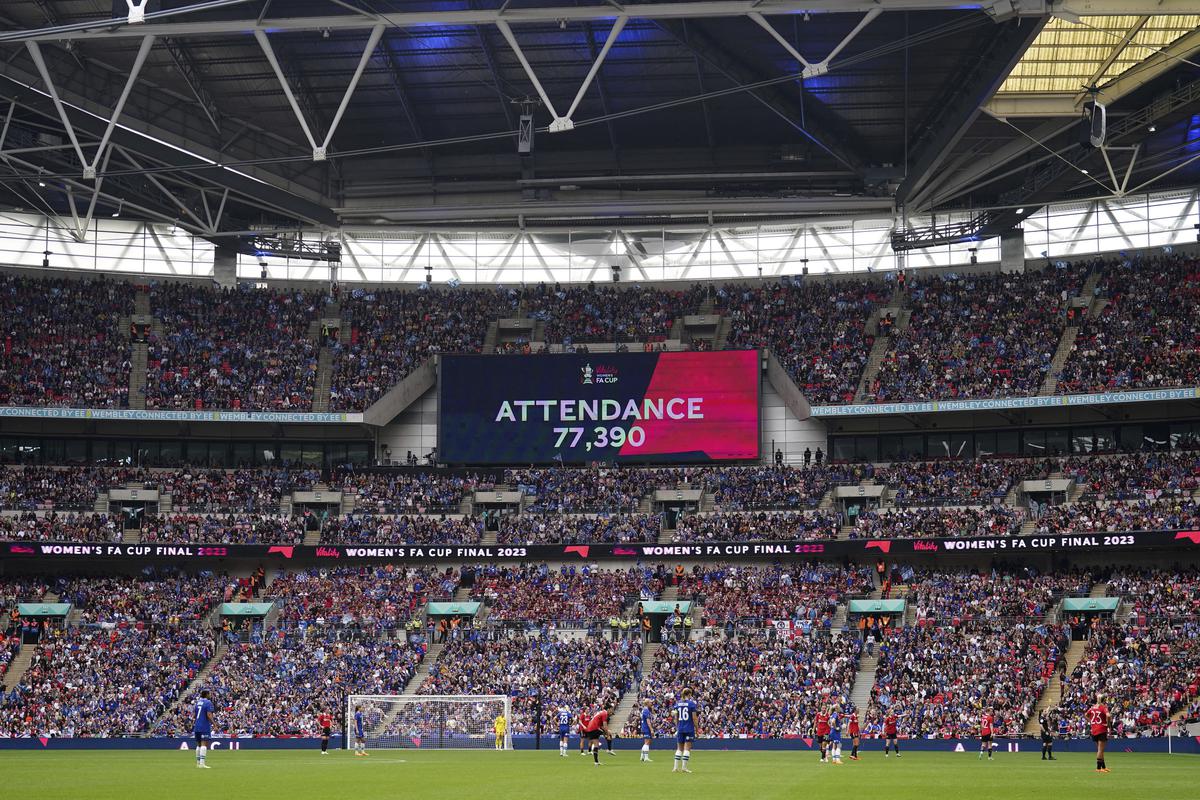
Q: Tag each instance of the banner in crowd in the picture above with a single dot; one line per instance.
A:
(852, 548)
(614, 407)
(1008, 403)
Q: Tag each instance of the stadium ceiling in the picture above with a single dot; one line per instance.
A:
(224, 116)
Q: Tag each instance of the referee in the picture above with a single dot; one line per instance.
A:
(1046, 724)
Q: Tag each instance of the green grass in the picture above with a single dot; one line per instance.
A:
(300, 775)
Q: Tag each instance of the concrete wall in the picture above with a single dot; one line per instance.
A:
(414, 429)
(781, 429)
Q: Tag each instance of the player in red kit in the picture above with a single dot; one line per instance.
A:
(325, 723)
(823, 733)
(854, 734)
(596, 726)
(1097, 720)
(987, 724)
(585, 717)
(889, 733)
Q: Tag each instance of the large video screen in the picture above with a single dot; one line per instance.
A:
(643, 407)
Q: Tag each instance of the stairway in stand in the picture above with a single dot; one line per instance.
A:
(423, 669)
(140, 351)
(879, 351)
(197, 682)
(629, 700)
(860, 693)
(18, 666)
(1052, 694)
(137, 375)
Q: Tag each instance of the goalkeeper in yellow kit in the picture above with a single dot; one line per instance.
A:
(500, 725)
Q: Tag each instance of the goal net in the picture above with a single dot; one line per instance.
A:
(429, 722)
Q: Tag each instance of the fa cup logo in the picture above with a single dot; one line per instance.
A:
(587, 374)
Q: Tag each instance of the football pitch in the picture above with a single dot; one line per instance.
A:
(297, 775)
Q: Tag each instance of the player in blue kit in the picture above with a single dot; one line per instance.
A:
(685, 730)
(202, 725)
(564, 730)
(360, 733)
(647, 732)
(835, 735)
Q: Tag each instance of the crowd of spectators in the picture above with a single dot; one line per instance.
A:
(763, 526)
(277, 685)
(1142, 515)
(558, 672)
(537, 592)
(245, 349)
(62, 342)
(817, 330)
(976, 336)
(582, 314)
(940, 679)
(222, 529)
(10, 645)
(252, 491)
(755, 685)
(389, 333)
(376, 529)
(405, 493)
(1145, 674)
(930, 522)
(602, 489)
(13, 592)
(774, 487)
(71, 488)
(158, 597)
(806, 594)
(951, 598)
(953, 482)
(969, 335)
(105, 682)
(1137, 476)
(576, 528)
(1147, 335)
(1158, 597)
(374, 600)
(55, 527)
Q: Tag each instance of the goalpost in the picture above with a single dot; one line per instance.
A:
(430, 722)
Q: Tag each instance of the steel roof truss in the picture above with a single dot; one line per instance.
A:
(320, 151)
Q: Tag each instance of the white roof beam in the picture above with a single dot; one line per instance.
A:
(1000, 9)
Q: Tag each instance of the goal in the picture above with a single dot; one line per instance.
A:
(430, 722)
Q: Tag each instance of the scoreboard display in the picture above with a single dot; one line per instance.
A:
(612, 407)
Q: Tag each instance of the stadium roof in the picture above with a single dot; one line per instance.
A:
(232, 114)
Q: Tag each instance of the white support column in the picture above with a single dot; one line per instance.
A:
(372, 43)
(516, 48)
(213, 221)
(769, 28)
(1137, 149)
(617, 27)
(820, 67)
(89, 170)
(35, 52)
(269, 52)
(862, 23)
(87, 222)
(1162, 175)
(560, 123)
(320, 151)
